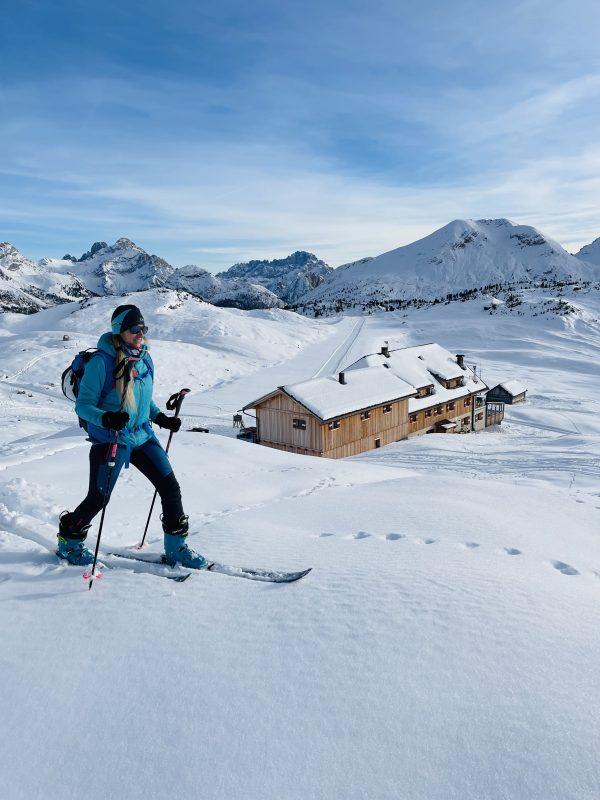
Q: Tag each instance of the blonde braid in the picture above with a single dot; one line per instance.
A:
(124, 387)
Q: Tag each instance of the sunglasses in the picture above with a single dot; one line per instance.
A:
(138, 329)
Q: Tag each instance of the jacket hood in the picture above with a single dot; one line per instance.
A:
(105, 343)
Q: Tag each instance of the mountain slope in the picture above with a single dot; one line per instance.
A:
(460, 256)
(590, 252)
(220, 291)
(26, 287)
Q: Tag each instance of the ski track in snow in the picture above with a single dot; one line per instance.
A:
(333, 363)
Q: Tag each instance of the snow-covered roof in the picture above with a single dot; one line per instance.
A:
(420, 366)
(377, 379)
(513, 387)
(417, 365)
(327, 398)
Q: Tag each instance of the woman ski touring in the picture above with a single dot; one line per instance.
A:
(115, 401)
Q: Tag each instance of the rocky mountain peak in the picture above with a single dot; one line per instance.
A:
(289, 278)
(95, 248)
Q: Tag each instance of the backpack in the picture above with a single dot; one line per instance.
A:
(73, 375)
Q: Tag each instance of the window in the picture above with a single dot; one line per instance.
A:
(365, 415)
(300, 424)
(377, 443)
(413, 417)
(428, 412)
(479, 416)
(450, 406)
(467, 402)
(387, 409)
(438, 410)
(334, 425)
(465, 422)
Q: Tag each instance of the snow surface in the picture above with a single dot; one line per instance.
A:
(446, 643)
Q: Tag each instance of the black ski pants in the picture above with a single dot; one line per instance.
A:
(151, 460)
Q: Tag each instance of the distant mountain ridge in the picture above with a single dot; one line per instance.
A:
(220, 291)
(117, 269)
(288, 278)
(462, 256)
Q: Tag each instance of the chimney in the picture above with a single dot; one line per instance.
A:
(460, 360)
(385, 349)
(342, 378)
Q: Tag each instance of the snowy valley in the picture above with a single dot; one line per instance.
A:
(445, 644)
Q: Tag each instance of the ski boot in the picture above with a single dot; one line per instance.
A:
(177, 551)
(71, 542)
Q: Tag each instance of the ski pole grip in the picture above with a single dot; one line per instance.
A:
(174, 402)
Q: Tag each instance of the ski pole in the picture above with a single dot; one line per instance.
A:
(111, 460)
(173, 403)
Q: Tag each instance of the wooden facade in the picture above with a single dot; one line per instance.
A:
(466, 413)
(283, 423)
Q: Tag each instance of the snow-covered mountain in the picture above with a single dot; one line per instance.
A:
(220, 291)
(590, 252)
(26, 287)
(289, 278)
(463, 255)
(116, 269)
(121, 268)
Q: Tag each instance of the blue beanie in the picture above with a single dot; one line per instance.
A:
(125, 317)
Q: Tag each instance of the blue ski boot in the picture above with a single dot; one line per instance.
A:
(177, 551)
(71, 542)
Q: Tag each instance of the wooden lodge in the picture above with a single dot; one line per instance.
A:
(382, 398)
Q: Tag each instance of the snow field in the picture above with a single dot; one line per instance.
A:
(445, 644)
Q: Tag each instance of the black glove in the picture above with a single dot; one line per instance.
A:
(115, 420)
(170, 423)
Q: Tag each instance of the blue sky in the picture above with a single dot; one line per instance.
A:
(214, 132)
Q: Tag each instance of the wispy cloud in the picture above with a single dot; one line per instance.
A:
(353, 134)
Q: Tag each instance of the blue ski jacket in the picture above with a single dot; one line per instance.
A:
(91, 404)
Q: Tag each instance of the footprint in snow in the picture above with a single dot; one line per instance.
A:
(470, 545)
(393, 537)
(325, 535)
(511, 551)
(425, 541)
(361, 535)
(566, 569)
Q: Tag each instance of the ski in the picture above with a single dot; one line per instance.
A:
(104, 564)
(163, 571)
(265, 575)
